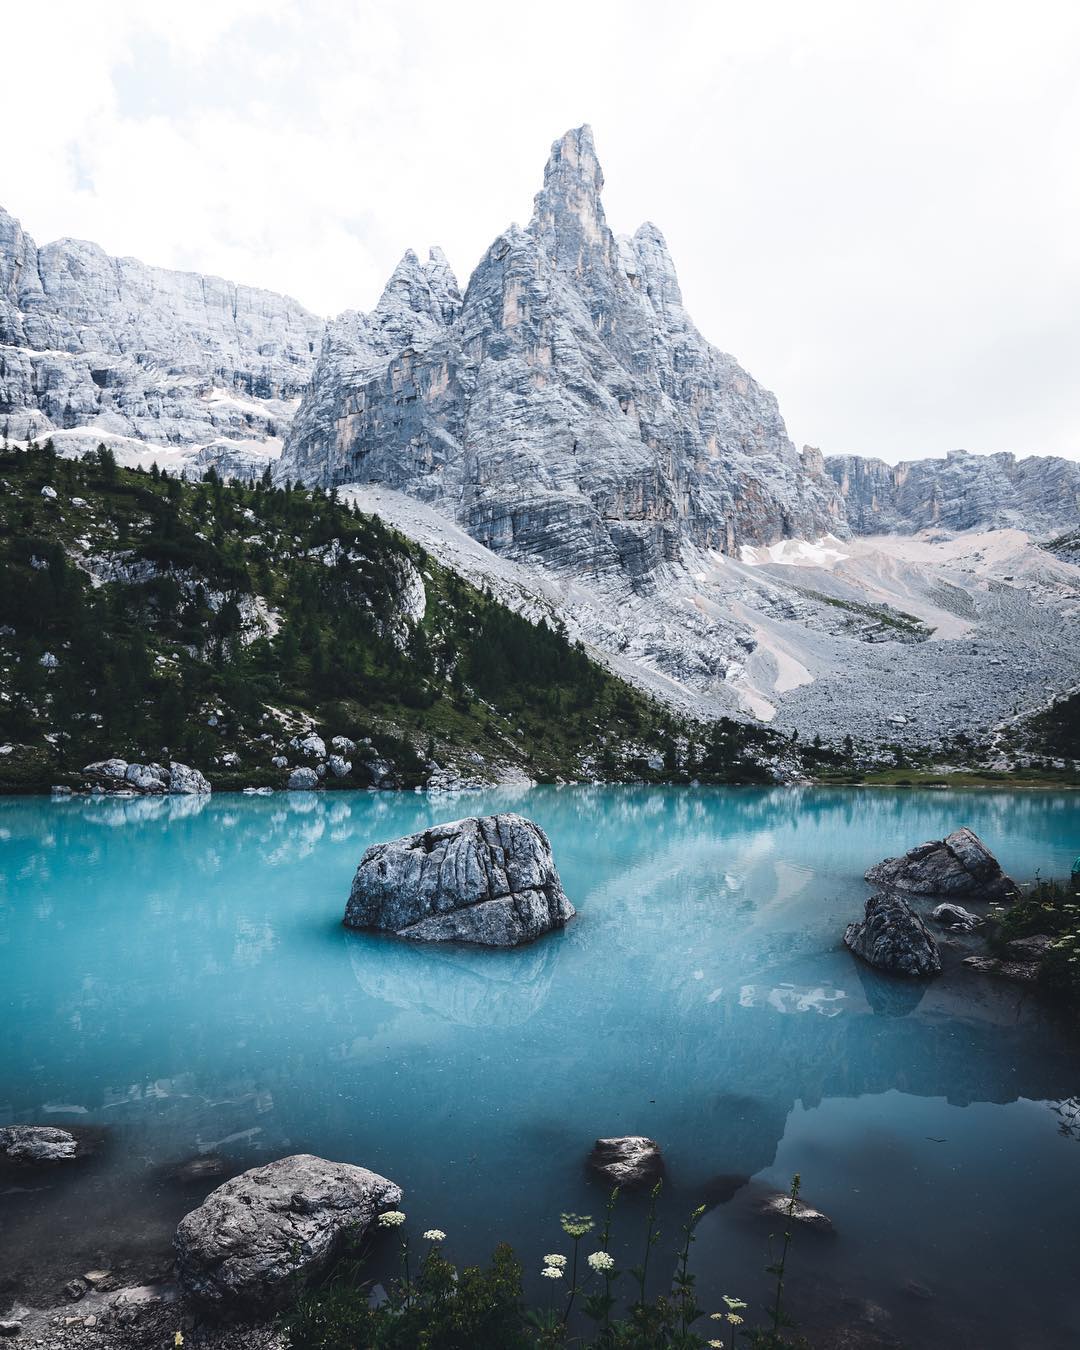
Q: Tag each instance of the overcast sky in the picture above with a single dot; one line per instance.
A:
(875, 207)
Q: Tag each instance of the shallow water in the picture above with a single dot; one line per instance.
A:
(176, 971)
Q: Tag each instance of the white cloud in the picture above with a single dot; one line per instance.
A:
(875, 207)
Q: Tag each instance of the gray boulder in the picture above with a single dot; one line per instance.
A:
(107, 770)
(258, 1239)
(958, 865)
(489, 880)
(629, 1161)
(38, 1144)
(311, 744)
(339, 767)
(892, 937)
(344, 745)
(147, 777)
(955, 916)
(185, 780)
(303, 780)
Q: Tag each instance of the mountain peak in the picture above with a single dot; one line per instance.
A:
(568, 218)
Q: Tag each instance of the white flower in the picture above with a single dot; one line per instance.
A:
(716, 1345)
(554, 1259)
(393, 1218)
(601, 1262)
(552, 1273)
(434, 1235)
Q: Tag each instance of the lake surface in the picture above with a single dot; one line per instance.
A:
(176, 971)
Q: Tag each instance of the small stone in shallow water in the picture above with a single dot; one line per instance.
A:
(1023, 971)
(782, 1206)
(955, 916)
(631, 1160)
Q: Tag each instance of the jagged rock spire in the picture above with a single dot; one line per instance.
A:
(568, 217)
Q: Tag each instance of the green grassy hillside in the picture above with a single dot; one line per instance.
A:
(146, 617)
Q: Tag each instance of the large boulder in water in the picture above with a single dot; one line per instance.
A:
(489, 880)
(892, 937)
(956, 866)
(255, 1242)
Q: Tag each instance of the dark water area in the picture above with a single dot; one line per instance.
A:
(175, 972)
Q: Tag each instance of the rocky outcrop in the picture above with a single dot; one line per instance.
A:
(893, 938)
(960, 492)
(565, 409)
(127, 350)
(186, 780)
(254, 1243)
(117, 775)
(959, 865)
(488, 880)
(630, 1161)
(38, 1145)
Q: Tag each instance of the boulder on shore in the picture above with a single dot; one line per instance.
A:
(489, 880)
(303, 780)
(256, 1241)
(183, 779)
(958, 865)
(892, 937)
(107, 771)
(630, 1161)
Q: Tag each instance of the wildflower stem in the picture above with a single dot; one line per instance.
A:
(653, 1197)
(777, 1313)
(573, 1283)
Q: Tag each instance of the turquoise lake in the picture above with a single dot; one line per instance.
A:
(176, 972)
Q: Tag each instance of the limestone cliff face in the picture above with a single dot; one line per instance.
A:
(565, 410)
(88, 340)
(1040, 494)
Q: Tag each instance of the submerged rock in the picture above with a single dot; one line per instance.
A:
(39, 1144)
(489, 880)
(1024, 971)
(958, 865)
(632, 1160)
(259, 1238)
(892, 937)
(782, 1206)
